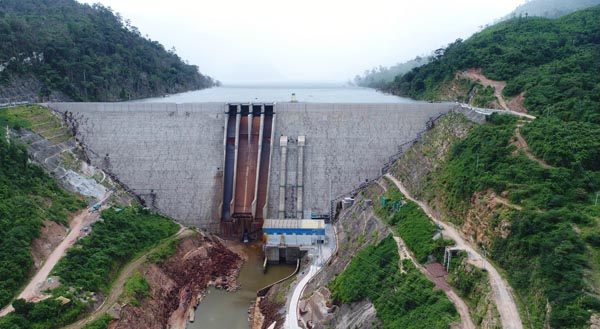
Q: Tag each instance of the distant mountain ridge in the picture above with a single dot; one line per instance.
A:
(551, 8)
(65, 49)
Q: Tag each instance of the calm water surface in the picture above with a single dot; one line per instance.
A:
(224, 310)
(313, 93)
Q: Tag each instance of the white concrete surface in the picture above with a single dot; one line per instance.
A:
(319, 259)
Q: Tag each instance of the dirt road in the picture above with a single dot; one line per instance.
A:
(522, 145)
(498, 86)
(501, 291)
(31, 291)
(118, 285)
(115, 293)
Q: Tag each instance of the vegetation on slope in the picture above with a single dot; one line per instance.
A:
(87, 52)
(412, 224)
(28, 197)
(556, 63)
(381, 76)
(544, 251)
(93, 262)
(92, 265)
(402, 300)
(552, 8)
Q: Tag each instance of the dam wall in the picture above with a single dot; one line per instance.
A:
(346, 144)
(173, 155)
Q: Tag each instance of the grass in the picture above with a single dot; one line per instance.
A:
(36, 118)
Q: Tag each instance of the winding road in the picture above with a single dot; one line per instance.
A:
(501, 291)
(30, 292)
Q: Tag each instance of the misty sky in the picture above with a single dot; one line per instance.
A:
(309, 40)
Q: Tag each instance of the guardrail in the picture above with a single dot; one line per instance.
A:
(12, 104)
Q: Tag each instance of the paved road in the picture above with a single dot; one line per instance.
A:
(31, 293)
(319, 259)
(501, 291)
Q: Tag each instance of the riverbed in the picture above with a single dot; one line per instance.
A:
(221, 309)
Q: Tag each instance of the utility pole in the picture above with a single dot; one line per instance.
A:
(8, 142)
(596, 204)
(483, 260)
(477, 163)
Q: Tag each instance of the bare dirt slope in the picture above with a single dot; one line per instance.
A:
(177, 284)
(515, 104)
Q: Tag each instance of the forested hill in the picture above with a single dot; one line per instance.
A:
(555, 62)
(551, 8)
(88, 53)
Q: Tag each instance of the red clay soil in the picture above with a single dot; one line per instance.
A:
(200, 261)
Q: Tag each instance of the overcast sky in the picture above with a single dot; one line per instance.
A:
(309, 40)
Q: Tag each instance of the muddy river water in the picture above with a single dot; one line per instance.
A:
(224, 310)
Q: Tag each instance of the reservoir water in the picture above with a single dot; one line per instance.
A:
(312, 93)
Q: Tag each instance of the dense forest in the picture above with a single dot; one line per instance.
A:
(555, 63)
(89, 53)
(551, 8)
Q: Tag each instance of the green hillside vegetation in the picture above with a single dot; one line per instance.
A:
(381, 76)
(92, 265)
(552, 8)
(402, 300)
(551, 255)
(28, 197)
(87, 52)
(412, 224)
(545, 257)
(93, 262)
(556, 63)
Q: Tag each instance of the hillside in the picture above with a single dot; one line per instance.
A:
(555, 64)
(523, 190)
(551, 8)
(61, 49)
(380, 76)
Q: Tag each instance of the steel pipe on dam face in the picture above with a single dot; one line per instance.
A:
(181, 152)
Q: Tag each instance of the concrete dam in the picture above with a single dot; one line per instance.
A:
(226, 168)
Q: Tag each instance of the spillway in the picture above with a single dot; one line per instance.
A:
(247, 168)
